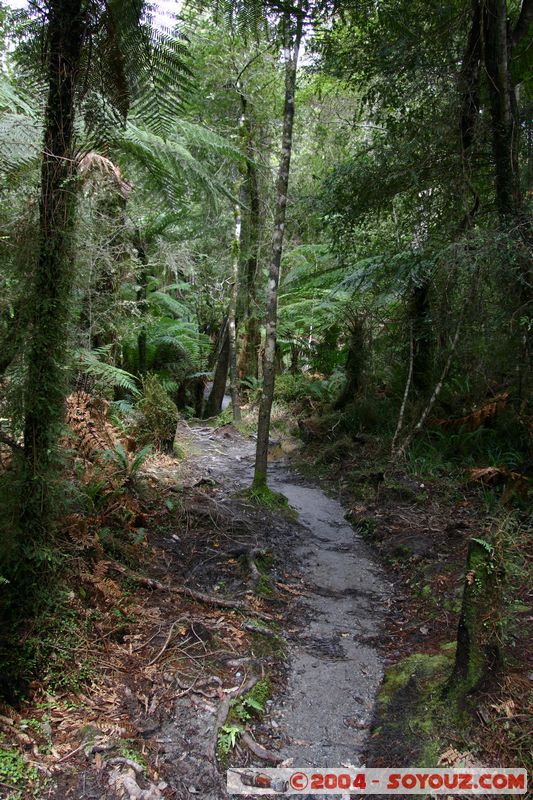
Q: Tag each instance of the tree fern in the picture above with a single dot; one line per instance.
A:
(170, 162)
(107, 376)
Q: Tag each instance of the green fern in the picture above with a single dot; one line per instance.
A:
(107, 376)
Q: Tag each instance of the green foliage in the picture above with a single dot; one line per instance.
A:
(159, 415)
(242, 710)
(107, 376)
(16, 774)
(127, 465)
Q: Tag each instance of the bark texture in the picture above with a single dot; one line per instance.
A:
(479, 655)
(45, 388)
(213, 405)
(269, 361)
(232, 318)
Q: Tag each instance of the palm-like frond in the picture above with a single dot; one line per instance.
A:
(170, 304)
(170, 163)
(106, 375)
(138, 67)
(20, 136)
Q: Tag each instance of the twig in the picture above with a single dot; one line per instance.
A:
(167, 640)
(72, 752)
(201, 597)
(260, 751)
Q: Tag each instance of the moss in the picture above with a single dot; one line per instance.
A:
(260, 494)
(479, 655)
(412, 712)
(264, 587)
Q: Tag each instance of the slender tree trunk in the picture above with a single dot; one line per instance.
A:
(45, 387)
(247, 364)
(213, 405)
(141, 303)
(469, 88)
(232, 323)
(265, 408)
(354, 365)
(421, 336)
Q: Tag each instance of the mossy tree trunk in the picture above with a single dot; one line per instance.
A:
(292, 49)
(479, 649)
(45, 385)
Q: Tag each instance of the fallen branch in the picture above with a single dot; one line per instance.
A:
(201, 597)
(126, 762)
(260, 751)
(248, 626)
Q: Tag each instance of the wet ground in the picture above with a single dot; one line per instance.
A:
(323, 716)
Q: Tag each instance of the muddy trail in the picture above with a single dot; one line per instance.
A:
(323, 716)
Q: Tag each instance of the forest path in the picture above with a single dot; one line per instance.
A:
(323, 716)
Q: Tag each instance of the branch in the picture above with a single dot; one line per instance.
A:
(525, 18)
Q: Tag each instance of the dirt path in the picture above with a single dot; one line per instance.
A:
(323, 717)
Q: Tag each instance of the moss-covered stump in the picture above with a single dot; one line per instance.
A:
(479, 651)
(412, 718)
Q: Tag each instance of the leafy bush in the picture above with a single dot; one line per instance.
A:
(159, 415)
(291, 388)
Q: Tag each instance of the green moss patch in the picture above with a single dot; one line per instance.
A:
(413, 719)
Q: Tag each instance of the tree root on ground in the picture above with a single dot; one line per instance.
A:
(201, 597)
(260, 751)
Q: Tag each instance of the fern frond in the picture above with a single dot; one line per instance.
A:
(107, 375)
(19, 141)
(170, 304)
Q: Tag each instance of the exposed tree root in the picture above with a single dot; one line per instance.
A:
(223, 711)
(201, 597)
(260, 751)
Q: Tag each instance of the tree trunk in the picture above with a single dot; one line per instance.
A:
(218, 390)
(45, 386)
(265, 408)
(479, 654)
(420, 331)
(141, 303)
(247, 364)
(354, 366)
(469, 88)
(505, 127)
(232, 324)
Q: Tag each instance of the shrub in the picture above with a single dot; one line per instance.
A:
(159, 415)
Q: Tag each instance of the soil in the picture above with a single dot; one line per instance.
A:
(147, 726)
(325, 605)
